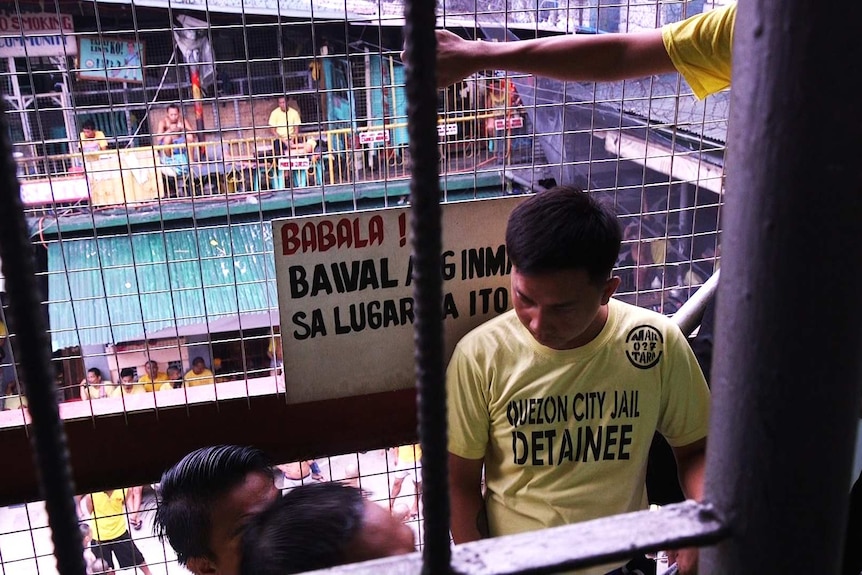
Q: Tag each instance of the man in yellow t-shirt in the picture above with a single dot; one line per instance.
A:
(698, 47)
(110, 532)
(274, 352)
(127, 386)
(92, 140)
(154, 378)
(94, 387)
(557, 401)
(284, 124)
(199, 374)
(175, 378)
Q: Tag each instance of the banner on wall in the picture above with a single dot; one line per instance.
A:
(111, 59)
(29, 35)
(345, 293)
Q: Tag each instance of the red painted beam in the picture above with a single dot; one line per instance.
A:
(114, 450)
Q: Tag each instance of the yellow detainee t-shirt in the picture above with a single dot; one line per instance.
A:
(109, 517)
(565, 434)
(409, 454)
(153, 384)
(285, 122)
(701, 48)
(206, 377)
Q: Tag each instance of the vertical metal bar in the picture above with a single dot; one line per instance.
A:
(420, 51)
(787, 369)
(48, 439)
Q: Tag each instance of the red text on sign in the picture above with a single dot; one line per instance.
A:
(327, 234)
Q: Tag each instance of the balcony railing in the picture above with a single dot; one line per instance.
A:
(468, 142)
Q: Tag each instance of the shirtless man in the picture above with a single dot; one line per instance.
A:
(174, 128)
(297, 471)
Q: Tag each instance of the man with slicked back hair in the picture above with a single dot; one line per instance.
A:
(205, 501)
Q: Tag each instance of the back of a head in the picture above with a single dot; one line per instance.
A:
(188, 490)
(563, 228)
(99, 566)
(309, 528)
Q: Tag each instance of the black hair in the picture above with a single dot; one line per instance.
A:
(95, 371)
(88, 124)
(307, 529)
(199, 359)
(127, 372)
(563, 228)
(188, 490)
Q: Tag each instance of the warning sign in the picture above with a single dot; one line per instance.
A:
(345, 291)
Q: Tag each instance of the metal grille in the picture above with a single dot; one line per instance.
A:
(163, 252)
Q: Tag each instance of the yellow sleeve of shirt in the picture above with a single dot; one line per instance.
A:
(469, 423)
(700, 48)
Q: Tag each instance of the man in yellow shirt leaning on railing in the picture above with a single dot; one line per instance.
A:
(199, 374)
(154, 378)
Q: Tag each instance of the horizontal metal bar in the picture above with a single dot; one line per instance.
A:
(690, 314)
(595, 542)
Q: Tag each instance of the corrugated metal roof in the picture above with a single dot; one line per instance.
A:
(121, 288)
(667, 99)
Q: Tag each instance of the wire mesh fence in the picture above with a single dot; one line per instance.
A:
(156, 141)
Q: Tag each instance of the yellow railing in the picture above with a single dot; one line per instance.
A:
(341, 156)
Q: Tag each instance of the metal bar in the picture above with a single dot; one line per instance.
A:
(49, 450)
(786, 373)
(690, 314)
(569, 546)
(425, 223)
(534, 187)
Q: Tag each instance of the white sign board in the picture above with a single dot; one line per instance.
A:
(509, 123)
(57, 190)
(374, 137)
(294, 163)
(36, 34)
(447, 130)
(111, 59)
(345, 293)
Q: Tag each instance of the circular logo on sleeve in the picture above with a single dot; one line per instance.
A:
(644, 346)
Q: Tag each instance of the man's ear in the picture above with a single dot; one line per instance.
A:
(201, 566)
(610, 287)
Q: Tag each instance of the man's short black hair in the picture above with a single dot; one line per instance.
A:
(307, 529)
(188, 490)
(95, 371)
(199, 360)
(563, 228)
(127, 372)
(88, 124)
